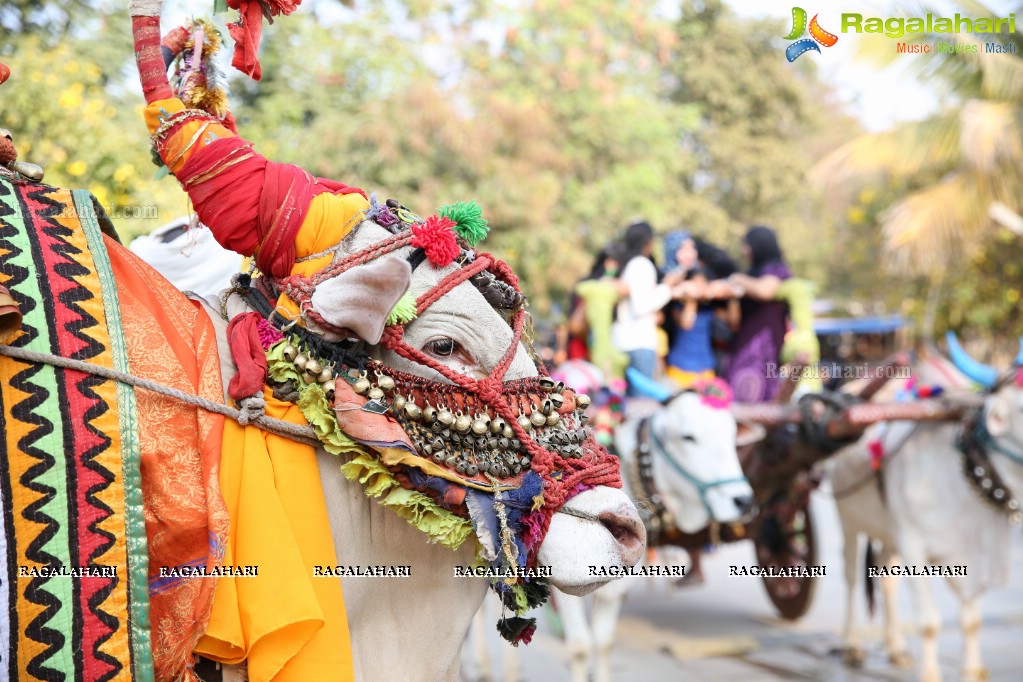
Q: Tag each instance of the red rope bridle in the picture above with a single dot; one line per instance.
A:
(563, 477)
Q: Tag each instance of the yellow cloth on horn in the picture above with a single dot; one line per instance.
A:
(289, 625)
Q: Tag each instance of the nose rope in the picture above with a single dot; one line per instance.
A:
(585, 516)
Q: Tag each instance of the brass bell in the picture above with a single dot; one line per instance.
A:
(463, 423)
(308, 378)
(375, 393)
(439, 455)
(300, 360)
(479, 427)
(386, 383)
(289, 352)
(537, 418)
(398, 401)
(582, 401)
(327, 374)
(412, 410)
(472, 470)
(546, 384)
(362, 386)
(328, 387)
(445, 417)
(313, 366)
(557, 400)
(524, 422)
(497, 425)
(429, 414)
(508, 431)
(553, 418)
(547, 407)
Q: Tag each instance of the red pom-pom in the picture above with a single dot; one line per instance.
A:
(527, 635)
(437, 238)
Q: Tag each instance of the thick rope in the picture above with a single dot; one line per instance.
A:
(301, 434)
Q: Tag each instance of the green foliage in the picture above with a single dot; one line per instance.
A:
(64, 115)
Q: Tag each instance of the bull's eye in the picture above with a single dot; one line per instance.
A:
(442, 348)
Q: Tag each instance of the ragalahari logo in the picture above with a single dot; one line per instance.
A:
(818, 35)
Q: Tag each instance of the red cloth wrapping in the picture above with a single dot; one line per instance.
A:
(253, 206)
(248, 30)
(248, 355)
(149, 57)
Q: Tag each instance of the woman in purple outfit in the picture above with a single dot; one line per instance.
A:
(755, 347)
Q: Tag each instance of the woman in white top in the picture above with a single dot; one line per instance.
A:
(635, 327)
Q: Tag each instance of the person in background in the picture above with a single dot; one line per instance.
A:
(718, 267)
(690, 358)
(757, 343)
(597, 300)
(635, 327)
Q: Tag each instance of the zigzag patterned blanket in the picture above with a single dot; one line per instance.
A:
(63, 491)
(89, 469)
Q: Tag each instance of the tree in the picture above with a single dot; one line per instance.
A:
(959, 161)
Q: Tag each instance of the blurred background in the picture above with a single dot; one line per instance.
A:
(566, 120)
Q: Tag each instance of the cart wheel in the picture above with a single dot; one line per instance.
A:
(786, 539)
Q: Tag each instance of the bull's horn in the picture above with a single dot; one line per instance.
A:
(977, 371)
(145, 28)
(646, 386)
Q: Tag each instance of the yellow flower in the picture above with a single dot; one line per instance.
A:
(76, 168)
(102, 196)
(71, 98)
(1011, 296)
(124, 173)
(856, 215)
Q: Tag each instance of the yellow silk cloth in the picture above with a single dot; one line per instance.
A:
(290, 625)
(685, 378)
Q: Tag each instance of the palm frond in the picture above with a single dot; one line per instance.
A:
(909, 149)
(991, 134)
(938, 224)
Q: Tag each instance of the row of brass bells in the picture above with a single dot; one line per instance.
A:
(312, 369)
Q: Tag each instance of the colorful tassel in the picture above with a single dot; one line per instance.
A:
(437, 239)
(404, 311)
(517, 630)
(469, 221)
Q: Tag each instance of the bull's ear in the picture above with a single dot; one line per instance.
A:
(361, 298)
(998, 413)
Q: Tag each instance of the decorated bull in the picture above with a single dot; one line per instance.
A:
(389, 418)
(939, 495)
(681, 467)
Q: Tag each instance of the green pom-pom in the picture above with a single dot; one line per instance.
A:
(404, 311)
(469, 221)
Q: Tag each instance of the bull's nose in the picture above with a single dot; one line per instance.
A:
(627, 529)
(744, 503)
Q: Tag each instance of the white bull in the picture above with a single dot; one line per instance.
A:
(928, 514)
(700, 481)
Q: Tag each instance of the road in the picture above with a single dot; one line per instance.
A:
(726, 630)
